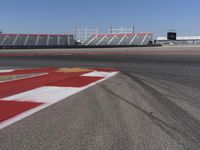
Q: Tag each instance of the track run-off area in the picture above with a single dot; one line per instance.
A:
(119, 98)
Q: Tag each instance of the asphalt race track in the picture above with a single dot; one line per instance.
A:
(152, 104)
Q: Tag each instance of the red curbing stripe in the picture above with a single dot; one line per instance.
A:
(29, 71)
(9, 109)
(77, 82)
(19, 86)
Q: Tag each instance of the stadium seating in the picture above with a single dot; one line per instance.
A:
(36, 40)
(31, 40)
(53, 40)
(42, 40)
(20, 40)
(90, 38)
(9, 40)
(67, 40)
(119, 39)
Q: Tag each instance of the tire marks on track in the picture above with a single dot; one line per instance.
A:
(173, 120)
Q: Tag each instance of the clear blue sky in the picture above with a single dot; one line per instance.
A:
(61, 16)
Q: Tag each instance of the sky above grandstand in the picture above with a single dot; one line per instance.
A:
(61, 16)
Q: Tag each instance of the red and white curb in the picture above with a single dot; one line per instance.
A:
(21, 97)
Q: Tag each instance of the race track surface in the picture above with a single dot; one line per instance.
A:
(152, 104)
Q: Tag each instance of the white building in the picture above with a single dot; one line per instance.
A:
(180, 40)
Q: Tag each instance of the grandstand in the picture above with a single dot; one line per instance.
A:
(68, 41)
(36, 40)
(125, 39)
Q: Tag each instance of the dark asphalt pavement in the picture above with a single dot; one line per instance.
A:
(153, 104)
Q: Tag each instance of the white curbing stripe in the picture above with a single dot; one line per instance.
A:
(99, 74)
(6, 71)
(46, 94)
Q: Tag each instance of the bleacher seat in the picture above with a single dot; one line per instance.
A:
(89, 39)
(105, 40)
(20, 40)
(53, 40)
(138, 40)
(63, 40)
(42, 40)
(31, 41)
(36, 40)
(9, 40)
(97, 40)
(71, 40)
(116, 40)
(119, 39)
(2, 38)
